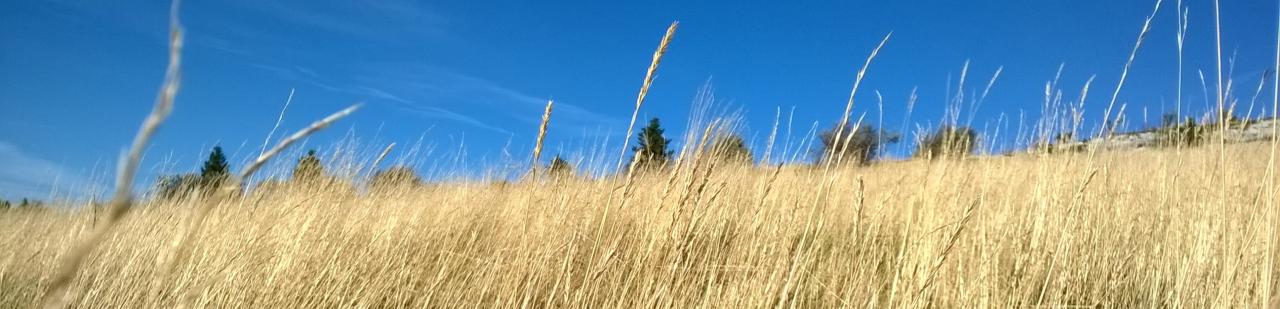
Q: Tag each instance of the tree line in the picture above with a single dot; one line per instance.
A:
(23, 203)
(215, 173)
(848, 144)
(851, 144)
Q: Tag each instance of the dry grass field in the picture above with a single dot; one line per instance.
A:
(1166, 227)
(1144, 228)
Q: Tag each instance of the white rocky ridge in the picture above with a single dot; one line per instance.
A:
(1258, 130)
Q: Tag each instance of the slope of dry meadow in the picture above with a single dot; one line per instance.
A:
(1143, 228)
(1166, 227)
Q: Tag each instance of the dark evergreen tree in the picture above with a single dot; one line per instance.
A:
(215, 170)
(652, 150)
(309, 167)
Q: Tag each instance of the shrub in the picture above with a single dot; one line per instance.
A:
(214, 172)
(948, 141)
(857, 145)
(395, 176)
(732, 148)
(559, 168)
(308, 167)
(1187, 133)
(26, 203)
(178, 185)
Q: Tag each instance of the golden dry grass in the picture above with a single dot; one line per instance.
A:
(1170, 227)
(1147, 228)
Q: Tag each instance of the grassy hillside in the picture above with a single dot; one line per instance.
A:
(1193, 225)
(1140, 228)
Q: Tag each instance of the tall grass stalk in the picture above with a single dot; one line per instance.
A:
(1124, 74)
(58, 294)
(644, 90)
(838, 146)
(542, 134)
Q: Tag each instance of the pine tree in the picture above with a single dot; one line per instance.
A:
(215, 170)
(308, 167)
(652, 149)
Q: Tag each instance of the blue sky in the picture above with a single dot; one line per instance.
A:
(467, 80)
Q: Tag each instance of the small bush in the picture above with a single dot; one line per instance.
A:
(395, 176)
(732, 148)
(559, 168)
(1186, 134)
(27, 203)
(857, 145)
(174, 186)
(947, 142)
(308, 167)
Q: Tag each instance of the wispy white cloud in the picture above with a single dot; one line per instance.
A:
(296, 73)
(372, 20)
(414, 87)
(445, 89)
(23, 175)
(508, 96)
(425, 111)
(434, 93)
